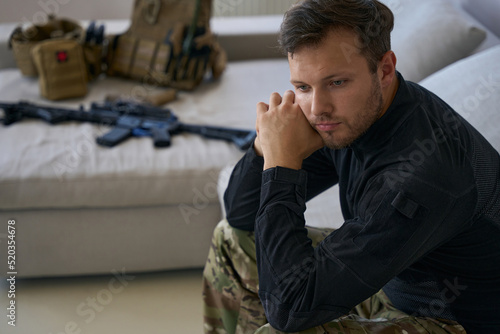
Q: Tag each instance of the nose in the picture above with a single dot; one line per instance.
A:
(320, 103)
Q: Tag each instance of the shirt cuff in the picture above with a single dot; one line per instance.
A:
(282, 188)
(283, 174)
(257, 162)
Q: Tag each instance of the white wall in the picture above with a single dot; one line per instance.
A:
(35, 11)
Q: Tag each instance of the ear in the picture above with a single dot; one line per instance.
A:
(387, 69)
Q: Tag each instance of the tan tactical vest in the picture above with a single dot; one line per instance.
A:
(169, 42)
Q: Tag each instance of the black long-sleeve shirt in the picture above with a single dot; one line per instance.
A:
(420, 195)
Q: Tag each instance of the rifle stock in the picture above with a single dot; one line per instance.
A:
(243, 139)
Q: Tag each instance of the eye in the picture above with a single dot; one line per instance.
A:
(302, 88)
(337, 83)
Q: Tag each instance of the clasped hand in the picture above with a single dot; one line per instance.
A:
(284, 136)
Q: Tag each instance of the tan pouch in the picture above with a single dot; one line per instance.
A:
(22, 52)
(61, 67)
(22, 41)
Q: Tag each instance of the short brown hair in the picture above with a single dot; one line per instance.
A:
(309, 21)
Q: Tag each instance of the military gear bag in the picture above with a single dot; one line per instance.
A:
(22, 41)
(168, 43)
(61, 54)
(61, 68)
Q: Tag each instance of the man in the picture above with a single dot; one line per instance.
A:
(419, 251)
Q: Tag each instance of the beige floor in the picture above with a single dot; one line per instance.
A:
(167, 302)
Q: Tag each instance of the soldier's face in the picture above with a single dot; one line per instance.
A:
(337, 92)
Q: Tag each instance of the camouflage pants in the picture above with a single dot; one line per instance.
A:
(231, 303)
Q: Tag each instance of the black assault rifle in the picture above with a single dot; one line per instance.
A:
(129, 119)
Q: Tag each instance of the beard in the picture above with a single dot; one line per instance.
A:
(359, 124)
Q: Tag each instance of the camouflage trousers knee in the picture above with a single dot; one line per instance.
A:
(232, 305)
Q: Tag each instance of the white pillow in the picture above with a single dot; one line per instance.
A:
(429, 35)
(472, 87)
